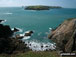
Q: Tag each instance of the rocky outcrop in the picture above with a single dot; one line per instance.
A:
(29, 33)
(26, 34)
(5, 31)
(9, 44)
(16, 46)
(65, 35)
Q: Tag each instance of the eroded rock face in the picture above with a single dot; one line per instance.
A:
(64, 35)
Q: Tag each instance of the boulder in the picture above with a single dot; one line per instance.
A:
(28, 33)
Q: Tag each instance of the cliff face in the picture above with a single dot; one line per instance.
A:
(65, 35)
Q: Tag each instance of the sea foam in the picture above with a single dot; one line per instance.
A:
(35, 45)
(3, 21)
(50, 28)
(38, 46)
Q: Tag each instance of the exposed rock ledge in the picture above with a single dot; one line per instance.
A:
(65, 36)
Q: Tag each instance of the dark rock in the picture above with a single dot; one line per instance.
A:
(65, 36)
(5, 31)
(28, 33)
(30, 44)
(42, 46)
(18, 45)
(31, 32)
(46, 46)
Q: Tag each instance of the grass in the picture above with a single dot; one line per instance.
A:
(70, 19)
(34, 54)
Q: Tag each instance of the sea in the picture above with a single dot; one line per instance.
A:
(40, 22)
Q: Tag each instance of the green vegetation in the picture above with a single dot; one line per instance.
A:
(41, 7)
(70, 19)
(35, 54)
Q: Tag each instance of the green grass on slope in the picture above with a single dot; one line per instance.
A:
(36, 54)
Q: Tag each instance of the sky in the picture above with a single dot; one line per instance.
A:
(16, 3)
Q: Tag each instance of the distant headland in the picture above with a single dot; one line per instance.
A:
(40, 7)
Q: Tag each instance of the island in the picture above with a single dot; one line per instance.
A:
(40, 7)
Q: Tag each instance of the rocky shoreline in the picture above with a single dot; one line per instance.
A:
(8, 43)
(64, 36)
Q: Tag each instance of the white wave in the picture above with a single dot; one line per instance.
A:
(37, 46)
(50, 28)
(8, 13)
(3, 21)
(20, 30)
(21, 34)
(34, 45)
(26, 37)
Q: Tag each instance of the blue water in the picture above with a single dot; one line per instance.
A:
(38, 21)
